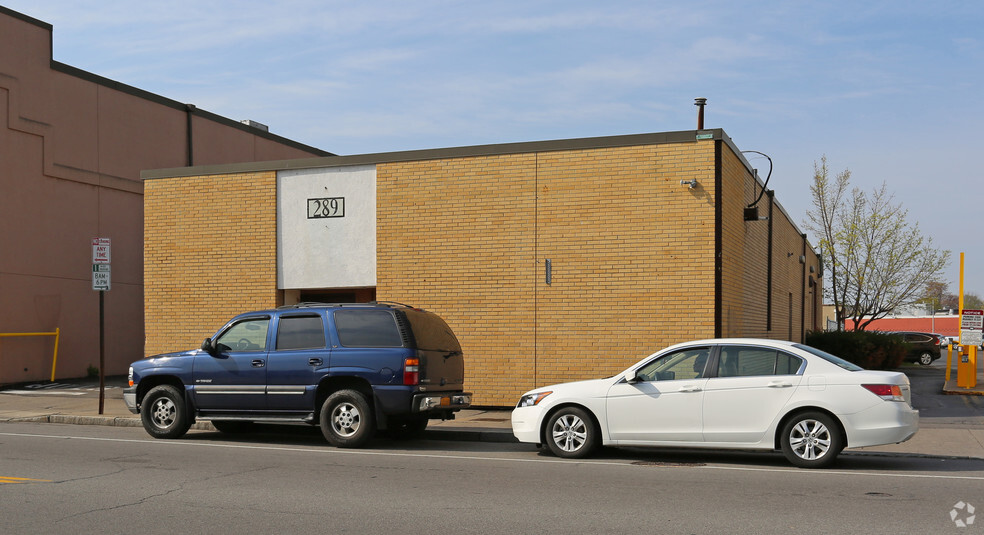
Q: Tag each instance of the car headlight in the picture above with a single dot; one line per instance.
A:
(530, 400)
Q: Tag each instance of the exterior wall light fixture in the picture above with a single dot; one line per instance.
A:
(692, 183)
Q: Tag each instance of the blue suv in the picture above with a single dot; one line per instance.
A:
(353, 369)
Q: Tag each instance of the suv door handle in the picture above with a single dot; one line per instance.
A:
(315, 362)
(258, 363)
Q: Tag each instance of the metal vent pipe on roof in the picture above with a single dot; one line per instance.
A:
(700, 103)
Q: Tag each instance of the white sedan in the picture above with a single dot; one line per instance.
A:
(738, 393)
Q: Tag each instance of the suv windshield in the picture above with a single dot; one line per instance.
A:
(849, 366)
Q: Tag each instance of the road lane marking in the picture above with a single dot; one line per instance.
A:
(8, 479)
(451, 455)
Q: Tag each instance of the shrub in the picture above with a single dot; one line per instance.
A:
(871, 350)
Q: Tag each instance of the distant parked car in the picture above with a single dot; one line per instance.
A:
(746, 394)
(924, 347)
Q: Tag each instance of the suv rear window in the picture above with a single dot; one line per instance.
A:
(367, 328)
(430, 332)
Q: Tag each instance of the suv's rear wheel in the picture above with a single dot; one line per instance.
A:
(163, 412)
(347, 420)
(925, 358)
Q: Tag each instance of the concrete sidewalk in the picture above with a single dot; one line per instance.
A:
(940, 434)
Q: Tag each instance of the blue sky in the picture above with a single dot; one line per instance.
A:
(888, 89)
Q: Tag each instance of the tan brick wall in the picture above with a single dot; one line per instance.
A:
(632, 254)
(631, 250)
(210, 252)
(457, 237)
(745, 248)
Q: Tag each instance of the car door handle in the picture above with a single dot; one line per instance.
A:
(780, 384)
(315, 362)
(258, 363)
(690, 388)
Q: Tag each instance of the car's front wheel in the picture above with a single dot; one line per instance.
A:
(347, 420)
(163, 412)
(925, 358)
(571, 433)
(811, 440)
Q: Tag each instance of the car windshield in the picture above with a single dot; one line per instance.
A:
(849, 366)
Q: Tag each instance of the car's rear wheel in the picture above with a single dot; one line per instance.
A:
(163, 412)
(347, 420)
(571, 433)
(925, 358)
(811, 440)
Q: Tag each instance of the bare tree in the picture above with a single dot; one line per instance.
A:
(875, 259)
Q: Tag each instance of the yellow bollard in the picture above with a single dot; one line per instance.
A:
(967, 367)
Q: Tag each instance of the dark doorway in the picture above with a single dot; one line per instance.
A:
(348, 295)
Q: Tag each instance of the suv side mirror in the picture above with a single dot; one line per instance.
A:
(208, 346)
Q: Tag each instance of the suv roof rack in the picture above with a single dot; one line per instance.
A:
(310, 304)
(390, 303)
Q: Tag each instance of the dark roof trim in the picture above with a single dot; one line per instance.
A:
(146, 95)
(454, 152)
(164, 101)
(20, 16)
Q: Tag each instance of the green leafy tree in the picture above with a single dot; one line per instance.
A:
(875, 260)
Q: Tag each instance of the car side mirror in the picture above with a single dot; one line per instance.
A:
(633, 378)
(208, 346)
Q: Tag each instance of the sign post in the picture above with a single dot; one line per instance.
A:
(101, 282)
(971, 329)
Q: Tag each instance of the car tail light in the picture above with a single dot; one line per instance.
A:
(886, 392)
(411, 371)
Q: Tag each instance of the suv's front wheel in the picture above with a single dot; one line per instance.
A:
(347, 420)
(163, 412)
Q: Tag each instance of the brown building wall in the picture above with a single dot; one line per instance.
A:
(73, 146)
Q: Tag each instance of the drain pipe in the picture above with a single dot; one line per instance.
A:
(189, 114)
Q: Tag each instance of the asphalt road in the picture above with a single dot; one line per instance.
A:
(96, 479)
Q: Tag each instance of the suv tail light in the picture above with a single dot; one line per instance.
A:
(411, 371)
(886, 392)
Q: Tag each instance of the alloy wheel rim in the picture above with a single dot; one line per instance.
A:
(163, 412)
(345, 419)
(569, 433)
(810, 440)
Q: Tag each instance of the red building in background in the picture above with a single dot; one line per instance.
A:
(945, 325)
